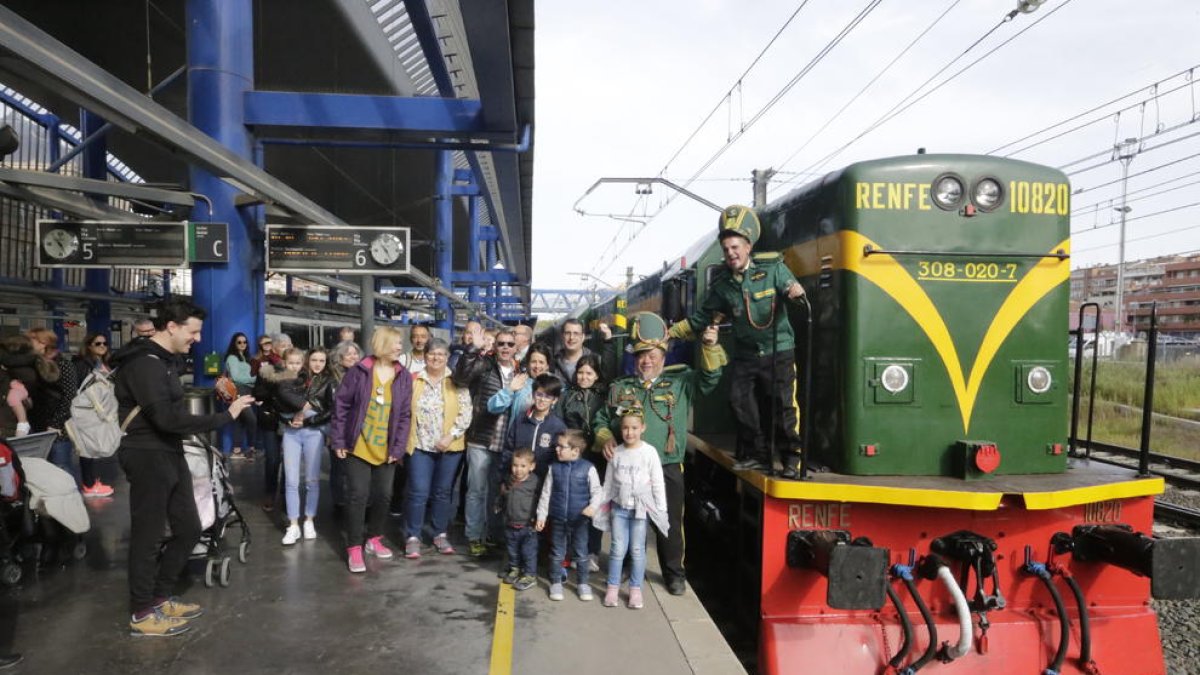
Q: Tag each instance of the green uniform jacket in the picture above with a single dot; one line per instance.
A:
(666, 405)
(748, 300)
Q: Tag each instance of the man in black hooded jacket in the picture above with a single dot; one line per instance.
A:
(151, 454)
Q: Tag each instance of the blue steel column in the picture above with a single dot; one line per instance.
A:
(220, 44)
(444, 222)
(473, 251)
(95, 165)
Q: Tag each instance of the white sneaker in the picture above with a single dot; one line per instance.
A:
(310, 530)
(291, 535)
(556, 590)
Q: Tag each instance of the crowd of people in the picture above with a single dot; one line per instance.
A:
(559, 447)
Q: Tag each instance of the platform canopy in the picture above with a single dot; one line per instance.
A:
(349, 110)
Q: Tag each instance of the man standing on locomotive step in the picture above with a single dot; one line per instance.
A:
(156, 418)
(665, 396)
(748, 291)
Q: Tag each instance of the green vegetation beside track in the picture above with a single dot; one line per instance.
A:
(1119, 391)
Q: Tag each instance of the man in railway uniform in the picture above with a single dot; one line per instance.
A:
(665, 394)
(748, 292)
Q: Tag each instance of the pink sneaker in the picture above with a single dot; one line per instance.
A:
(611, 598)
(376, 548)
(354, 559)
(97, 489)
(635, 598)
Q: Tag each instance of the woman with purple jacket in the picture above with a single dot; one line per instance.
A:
(369, 432)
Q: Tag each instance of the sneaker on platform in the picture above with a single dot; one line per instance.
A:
(513, 574)
(585, 592)
(750, 464)
(376, 547)
(291, 535)
(354, 559)
(612, 595)
(593, 563)
(477, 549)
(556, 590)
(310, 530)
(412, 548)
(97, 489)
(172, 608)
(525, 582)
(635, 598)
(442, 544)
(157, 624)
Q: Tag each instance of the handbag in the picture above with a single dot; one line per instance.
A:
(224, 388)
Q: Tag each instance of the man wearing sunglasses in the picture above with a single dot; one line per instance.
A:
(485, 374)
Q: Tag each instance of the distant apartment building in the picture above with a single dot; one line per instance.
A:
(1171, 281)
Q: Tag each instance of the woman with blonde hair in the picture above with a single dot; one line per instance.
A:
(369, 432)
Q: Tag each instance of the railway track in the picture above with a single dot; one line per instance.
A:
(1178, 472)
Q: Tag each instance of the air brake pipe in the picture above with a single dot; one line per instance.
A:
(895, 661)
(1040, 571)
(965, 630)
(905, 573)
(1085, 632)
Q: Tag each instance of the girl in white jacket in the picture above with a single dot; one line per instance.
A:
(633, 492)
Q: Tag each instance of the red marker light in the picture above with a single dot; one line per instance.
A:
(969, 210)
(987, 458)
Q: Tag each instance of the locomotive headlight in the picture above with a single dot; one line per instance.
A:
(947, 192)
(988, 194)
(894, 379)
(1039, 380)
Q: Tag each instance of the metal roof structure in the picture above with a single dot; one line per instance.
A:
(104, 56)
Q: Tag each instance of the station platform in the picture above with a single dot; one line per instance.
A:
(298, 610)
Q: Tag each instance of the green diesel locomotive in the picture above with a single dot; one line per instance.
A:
(933, 354)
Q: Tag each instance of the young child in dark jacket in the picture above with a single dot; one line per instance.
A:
(571, 493)
(538, 428)
(517, 505)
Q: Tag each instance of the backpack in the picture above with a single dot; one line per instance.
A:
(93, 426)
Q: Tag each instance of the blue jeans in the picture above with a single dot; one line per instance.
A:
(483, 482)
(628, 535)
(522, 549)
(306, 443)
(575, 532)
(62, 455)
(429, 472)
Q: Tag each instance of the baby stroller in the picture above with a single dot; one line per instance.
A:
(217, 508)
(41, 510)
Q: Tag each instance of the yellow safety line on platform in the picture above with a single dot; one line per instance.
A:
(1144, 487)
(502, 633)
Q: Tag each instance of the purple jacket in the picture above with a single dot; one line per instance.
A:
(350, 408)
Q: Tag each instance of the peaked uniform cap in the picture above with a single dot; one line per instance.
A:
(647, 331)
(739, 220)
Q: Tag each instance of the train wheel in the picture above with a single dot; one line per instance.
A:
(225, 572)
(243, 551)
(10, 574)
(210, 569)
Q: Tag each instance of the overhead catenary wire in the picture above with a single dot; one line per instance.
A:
(1093, 109)
(846, 30)
(901, 107)
(1138, 217)
(736, 86)
(1156, 235)
(1139, 173)
(865, 87)
(1092, 208)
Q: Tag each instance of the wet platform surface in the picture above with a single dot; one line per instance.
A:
(298, 610)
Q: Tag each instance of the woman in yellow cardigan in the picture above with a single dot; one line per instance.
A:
(441, 413)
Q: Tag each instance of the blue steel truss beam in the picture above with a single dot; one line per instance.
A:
(355, 111)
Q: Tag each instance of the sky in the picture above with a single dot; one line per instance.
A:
(622, 84)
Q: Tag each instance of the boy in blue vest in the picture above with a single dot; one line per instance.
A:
(571, 493)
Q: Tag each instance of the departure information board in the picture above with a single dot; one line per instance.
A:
(340, 250)
(111, 244)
